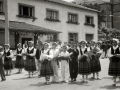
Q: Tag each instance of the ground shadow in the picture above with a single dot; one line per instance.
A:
(107, 77)
(38, 84)
(91, 79)
(109, 87)
(16, 73)
(24, 78)
(78, 83)
(58, 83)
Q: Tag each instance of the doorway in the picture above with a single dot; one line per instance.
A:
(26, 39)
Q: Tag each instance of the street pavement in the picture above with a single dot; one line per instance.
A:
(21, 82)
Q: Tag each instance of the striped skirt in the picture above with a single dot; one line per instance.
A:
(114, 67)
(84, 66)
(95, 63)
(30, 64)
(8, 65)
(46, 69)
(19, 62)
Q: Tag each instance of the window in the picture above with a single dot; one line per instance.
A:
(73, 37)
(52, 15)
(89, 37)
(1, 6)
(73, 18)
(89, 20)
(26, 10)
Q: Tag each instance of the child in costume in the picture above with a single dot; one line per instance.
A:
(8, 65)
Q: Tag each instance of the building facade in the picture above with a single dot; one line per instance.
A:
(75, 22)
(116, 14)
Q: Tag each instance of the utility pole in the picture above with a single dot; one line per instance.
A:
(112, 18)
(7, 41)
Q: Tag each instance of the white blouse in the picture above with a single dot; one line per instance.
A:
(44, 55)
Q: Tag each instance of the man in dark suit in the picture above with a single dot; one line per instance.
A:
(2, 65)
(73, 62)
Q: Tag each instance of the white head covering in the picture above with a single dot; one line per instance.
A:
(1, 47)
(31, 42)
(115, 39)
(83, 41)
(18, 44)
(7, 45)
(93, 41)
(54, 43)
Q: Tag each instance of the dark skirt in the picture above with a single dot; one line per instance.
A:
(84, 66)
(46, 69)
(114, 66)
(30, 65)
(95, 63)
(8, 65)
(19, 62)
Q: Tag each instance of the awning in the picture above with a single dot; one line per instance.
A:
(24, 27)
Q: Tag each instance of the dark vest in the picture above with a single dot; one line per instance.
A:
(115, 59)
(19, 52)
(38, 53)
(115, 52)
(7, 53)
(30, 51)
(82, 52)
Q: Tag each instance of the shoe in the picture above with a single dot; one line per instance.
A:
(113, 85)
(57, 82)
(86, 81)
(72, 80)
(92, 78)
(53, 82)
(83, 81)
(47, 83)
(3, 80)
(75, 79)
(66, 81)
(98, 79)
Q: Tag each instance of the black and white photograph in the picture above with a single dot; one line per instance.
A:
(59, 45)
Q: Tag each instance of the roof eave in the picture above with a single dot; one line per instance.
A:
(73, 5)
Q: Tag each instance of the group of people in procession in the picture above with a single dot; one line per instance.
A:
(74, 58)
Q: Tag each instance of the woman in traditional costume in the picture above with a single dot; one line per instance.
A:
(19, 64)
(8, 66)
(46, 67)
(30, 64)
(94, 61)
(84, 63)
(114, 66)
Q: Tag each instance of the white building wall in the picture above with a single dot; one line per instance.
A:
(40, 13)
